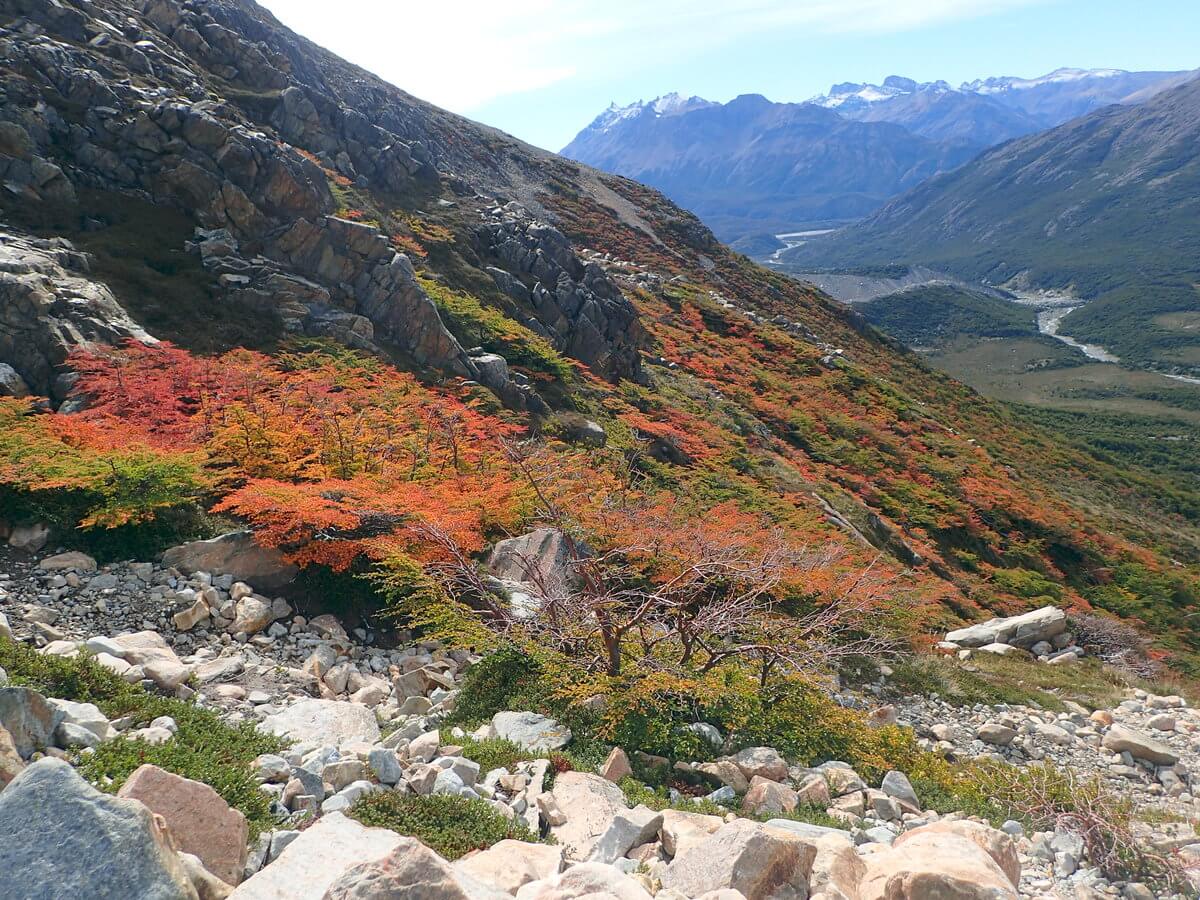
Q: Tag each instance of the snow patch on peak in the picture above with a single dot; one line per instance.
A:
(667, 105)
(1058, 76)
(850, 95)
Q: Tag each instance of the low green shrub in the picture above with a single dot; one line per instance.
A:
(494, 753)
(648, 712)
(449, 825)
(205, 749)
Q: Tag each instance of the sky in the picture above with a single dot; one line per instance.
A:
(543, 69)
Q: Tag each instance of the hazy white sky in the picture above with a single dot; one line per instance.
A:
(542, 69)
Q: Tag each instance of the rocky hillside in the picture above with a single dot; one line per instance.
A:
(361, 464)
(1101, 207)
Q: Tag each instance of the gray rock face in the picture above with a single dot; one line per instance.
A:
(541, 557)
(577, 306)
(49, 307)
(1022, 631)
(60, 837)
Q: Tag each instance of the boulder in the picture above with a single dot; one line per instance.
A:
(590, 804)
(84, 715)
(60, 837)
(1120, 739)
(762, 863)
(1022, 631)
(542, 558)
(201, 823)
(158, 661)
(996, 844)
(995, 733)
(410, 869)
(765, 762)
(769, 798)
(207, 885)
(531, 731)
(896, 784)
(324, 722)
(30, 538)
(187, 619)
(837, 869)
(934, 864)
(29, 719)
(594, 881)
(508, 865)
(681, 830)
(234, 554)
(727, 772)
(629, 828)
(314, 862)
(616, 765)
(72, 559)
(253, 615)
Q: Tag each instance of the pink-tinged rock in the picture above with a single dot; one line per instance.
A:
(616, 766)
(199, 820)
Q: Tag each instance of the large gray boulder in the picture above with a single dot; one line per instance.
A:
(1023, 631)
(540, 557)
(531, 731)
(590, 804)
(60, 837)
(49, 307)
(236, 554)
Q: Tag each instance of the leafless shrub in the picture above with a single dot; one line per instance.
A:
(1115, 642)
(1055, 799)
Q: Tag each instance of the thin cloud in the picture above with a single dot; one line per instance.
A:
(465, 54)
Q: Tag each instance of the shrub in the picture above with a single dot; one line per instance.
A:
(451, 826)
(495, 753)
(1117, 643)
(205, 749)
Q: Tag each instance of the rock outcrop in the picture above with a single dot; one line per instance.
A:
(572, 303)
(49, 307)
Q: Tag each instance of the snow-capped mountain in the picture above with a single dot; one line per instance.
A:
(666, 105)
(751, 167)
(848, 96)
(999, 108)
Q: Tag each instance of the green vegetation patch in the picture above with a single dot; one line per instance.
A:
(448, 825)
(204, 749)
(474, 324)
(934, 314)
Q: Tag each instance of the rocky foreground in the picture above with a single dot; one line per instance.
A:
(361, 721)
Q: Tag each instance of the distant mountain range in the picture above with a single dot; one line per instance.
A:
(753, 168)
(1104, 206)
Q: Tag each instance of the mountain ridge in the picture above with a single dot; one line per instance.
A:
(1102, 205)
(752, 168)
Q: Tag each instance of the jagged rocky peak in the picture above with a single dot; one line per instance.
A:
(254, 134)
